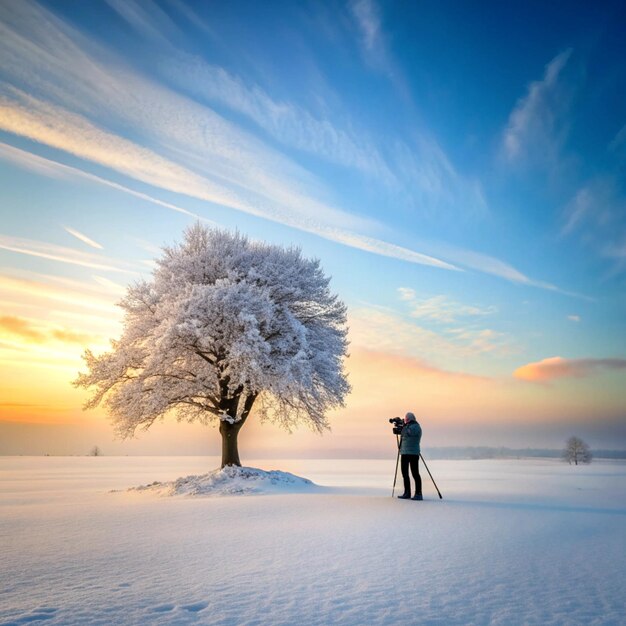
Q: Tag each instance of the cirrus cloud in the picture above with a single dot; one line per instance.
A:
(535, 122)
(82, 237)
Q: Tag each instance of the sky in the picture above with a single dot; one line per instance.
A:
(459, 172)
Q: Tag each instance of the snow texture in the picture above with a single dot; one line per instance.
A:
(232, 480)
(534, 542)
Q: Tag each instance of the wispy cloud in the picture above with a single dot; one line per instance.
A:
(75, 285)
(290, 124)
(491, 265)
(368, 20)
(36, 332)
(596, 204)
(441, 309)
(457, 257)
(619, 141)
(366, 15)
(188, 148)
(71, 336)
(148, 19)
(58, 128)
(557, 367)
(47, 318)
(83, 238)
(596, 214)
(435, 186)
(194, 148)
(54, 169)
(146, 246)
(406, 293)
(361, 242)
(76, 135)
(368, 24)
(483, 340)
(577, 210)
(20, 327)
(40, 291)
(573, 318)
(484, 263)
(417, 170)
(535, 126)
(386, 331)
(107, 326)
(536, 135)
(64, 255)
(36, 164)
(110, 285)
(369, 244)
(458, 323)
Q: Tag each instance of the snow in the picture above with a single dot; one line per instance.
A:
(232, 481)
(512, 542)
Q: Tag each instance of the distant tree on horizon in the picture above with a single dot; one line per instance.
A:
(224, 324)
(577, 451)
(95, 451)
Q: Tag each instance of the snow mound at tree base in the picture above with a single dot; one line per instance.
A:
(232, 480)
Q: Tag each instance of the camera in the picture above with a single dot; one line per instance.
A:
(398, 425)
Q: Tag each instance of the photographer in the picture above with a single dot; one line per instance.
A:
(410, 437)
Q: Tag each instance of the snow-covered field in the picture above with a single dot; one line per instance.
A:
(513, 542)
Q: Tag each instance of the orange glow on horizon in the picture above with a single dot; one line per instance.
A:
(36, 389)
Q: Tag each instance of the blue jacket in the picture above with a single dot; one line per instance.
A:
(410, 438)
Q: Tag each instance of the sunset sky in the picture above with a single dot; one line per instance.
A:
(460, 173)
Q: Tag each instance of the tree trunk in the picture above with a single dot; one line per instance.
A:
(230, 432)
(230, 451)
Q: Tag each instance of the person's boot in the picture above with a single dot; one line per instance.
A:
(405, 496)
(417, 496)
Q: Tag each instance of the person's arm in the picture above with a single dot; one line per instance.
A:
(412, 430)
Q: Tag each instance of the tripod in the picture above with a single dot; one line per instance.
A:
(395, 476)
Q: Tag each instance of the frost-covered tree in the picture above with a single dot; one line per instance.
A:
(224, 324)
(576, 451)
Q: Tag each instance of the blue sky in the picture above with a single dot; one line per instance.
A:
(459, 172)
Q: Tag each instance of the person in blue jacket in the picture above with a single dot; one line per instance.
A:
(410, 456)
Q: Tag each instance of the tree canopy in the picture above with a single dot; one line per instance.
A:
(224, 324)
(576, 451)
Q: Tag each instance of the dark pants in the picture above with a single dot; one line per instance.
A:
(412, 460)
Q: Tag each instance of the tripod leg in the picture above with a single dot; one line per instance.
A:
(395, 476)
(431, 477)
